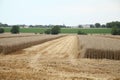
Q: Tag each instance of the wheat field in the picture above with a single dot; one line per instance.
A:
(8, 45)
(62, 58)
(99, 47)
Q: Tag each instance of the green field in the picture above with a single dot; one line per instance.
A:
(88, 30)
(66, 30)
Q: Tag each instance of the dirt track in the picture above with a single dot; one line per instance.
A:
(56, 60)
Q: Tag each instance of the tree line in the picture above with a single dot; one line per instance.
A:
(96, 25)
(55, 29)
(16, 30)
(107, 25)
(115, 25)
(34, 26)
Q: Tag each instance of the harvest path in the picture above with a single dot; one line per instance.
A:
(58, 59)
(66, 47)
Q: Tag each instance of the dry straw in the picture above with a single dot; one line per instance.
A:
(99, 47)
(8, 45)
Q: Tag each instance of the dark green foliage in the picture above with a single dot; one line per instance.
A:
(55, 30)
(81, 33)
(1, 30)
(103, 26)
(119, 31)
(15, 30)
(80, 26)
(97, 25)
(115, 30)
(92, 26)
(35, 33)
(3, 25)
(112, 24)
(48, 31)
(40, 33)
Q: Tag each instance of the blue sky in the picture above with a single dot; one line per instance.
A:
(68, 12)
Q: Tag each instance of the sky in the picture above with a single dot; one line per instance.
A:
(58, 12)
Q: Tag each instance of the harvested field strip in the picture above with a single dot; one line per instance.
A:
(13, 44)
(62, 48)
(100, 47)
(56, 47)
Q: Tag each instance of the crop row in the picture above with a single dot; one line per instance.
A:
(8, 45)
(99, 47)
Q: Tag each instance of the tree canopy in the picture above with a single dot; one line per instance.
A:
(97, 25)
(15, 29)
(55, 30)
(112, 24)
(1, 30)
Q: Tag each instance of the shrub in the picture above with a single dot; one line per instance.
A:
(15, 29)
(115, 30)
(80, 32)
(35, 33)
(40, 33)
(119, 31)
(48, 31)
(1, 30)
(55, 30)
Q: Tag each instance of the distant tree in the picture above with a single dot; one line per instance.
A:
(63, 26)
(55, 30)
(15, 29)
(109, 25)
(1, 30)
(1, 25)
(103, 26)
(112, 24)
(31, 26)
(80, 26)
(5, 25)
(92, 26)
(97, 25)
